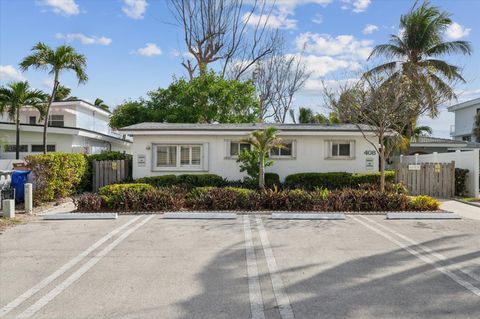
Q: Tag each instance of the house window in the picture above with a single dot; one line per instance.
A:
(166, 155)
(190, 155)
(236, 147)
(178, 156)
(12, 148)
(37, 148)
(56, 120)
(341, 149)
(285, 151)
(32, 120)
(467, 138)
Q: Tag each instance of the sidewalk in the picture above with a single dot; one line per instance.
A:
(464, 210)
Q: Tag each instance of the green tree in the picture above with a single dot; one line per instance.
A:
(420, 131)
(55, 61)
(62, 94)
(262, 142)
(13, 97)
(207, 98)
(306, 116)
(101, 104)
(131, 112)
(248, 160)
(415, 57)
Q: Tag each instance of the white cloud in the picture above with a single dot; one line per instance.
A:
(64, 7)
(274, 21)
(356, 5)
(318, 19)
(344, 46)
(135, 9)
(370, 28)
(317, 86)
(456, 31)
(84, 39)
(150, 49)
(10, 73)
(323, 65)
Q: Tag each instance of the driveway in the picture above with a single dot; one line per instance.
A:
(148, 267)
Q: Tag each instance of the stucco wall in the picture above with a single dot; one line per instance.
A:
(62, 142)
(464, 119)
(310, 156)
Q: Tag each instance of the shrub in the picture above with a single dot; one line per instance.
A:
(460, 181)
(187, 180)
(56, 175)
(423, 203)
(311, 181)
(88, 202)
(214, 198)
(372, 178)
(366, 200)
(272, 180)
(335, 180)
(113, 195)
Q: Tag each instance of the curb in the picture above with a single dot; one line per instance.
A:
(429, 216)
(307, 216)
(468, 203)
(80, 216)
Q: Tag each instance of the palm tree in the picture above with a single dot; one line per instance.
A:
(415, 56)
(15, 96)
(101, 104)
(420, 131)
(62, 93)
(262, 142)
(63, 58)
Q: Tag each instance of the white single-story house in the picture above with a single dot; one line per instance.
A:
(168, 148)
(75, 127)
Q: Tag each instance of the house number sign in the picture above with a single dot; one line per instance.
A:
(370, 152)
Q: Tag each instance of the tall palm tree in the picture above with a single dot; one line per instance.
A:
(101, 104)
(420, 131)
(13, 97)
(415, 56)
(62, 58)
(262, 142)
(62, 93)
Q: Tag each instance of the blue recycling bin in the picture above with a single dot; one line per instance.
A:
(19, 178)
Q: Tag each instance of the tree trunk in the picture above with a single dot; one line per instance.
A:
(382, 164)
(17, 137)
(47, 113)
(261, 172)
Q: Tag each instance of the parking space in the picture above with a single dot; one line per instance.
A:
(251, 267)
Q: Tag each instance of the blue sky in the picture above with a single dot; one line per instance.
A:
(133, 46)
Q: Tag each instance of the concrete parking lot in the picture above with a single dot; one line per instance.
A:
(251, 267)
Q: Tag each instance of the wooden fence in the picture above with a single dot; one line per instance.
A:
(109, 172)
(433, 179)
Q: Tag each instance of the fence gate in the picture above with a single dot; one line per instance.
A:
(109, 172)
(433, 179)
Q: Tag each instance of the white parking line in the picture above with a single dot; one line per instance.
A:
(442, 269)
(30, 311)
(254, 292)
(424, 248)
(45, 282)
(283, 302)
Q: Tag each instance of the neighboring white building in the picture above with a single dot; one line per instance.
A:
(75, 126)
(160, 148)
(464, 119)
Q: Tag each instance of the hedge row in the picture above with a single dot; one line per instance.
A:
(142, 197)
(57, 175)
(335, 180)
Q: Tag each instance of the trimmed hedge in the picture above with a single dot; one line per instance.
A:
(460, 181)
(57, 175)
(185, 180)
(334, 180)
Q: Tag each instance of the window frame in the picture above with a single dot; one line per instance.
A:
(6, 148)
(34, 117)
(41, 145)
(229, 148)
(292, 151)
(50, 120)
(329, 149)
(178, 160)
